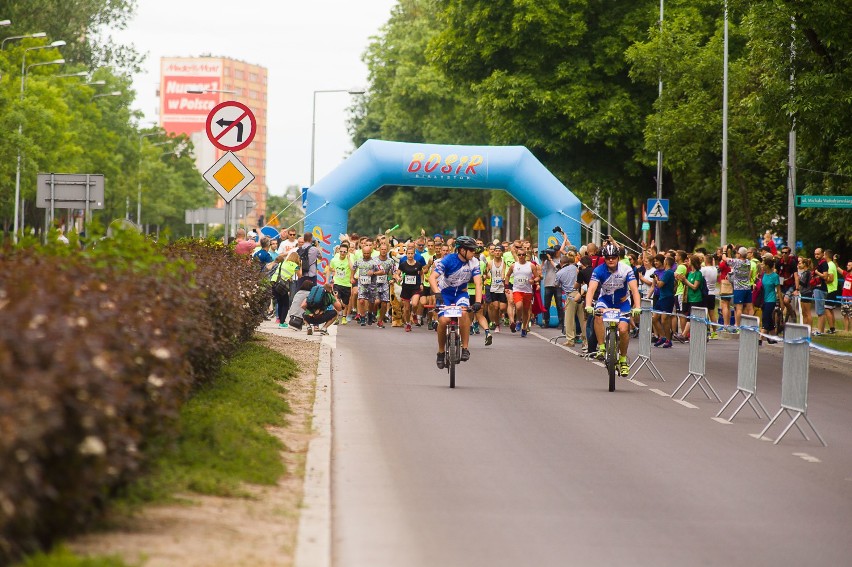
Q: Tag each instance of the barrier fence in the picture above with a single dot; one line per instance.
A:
(698, 356)
(644, 357)
(747, 368)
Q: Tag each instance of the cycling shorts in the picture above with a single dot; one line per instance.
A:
(451, 297)
(606, 302)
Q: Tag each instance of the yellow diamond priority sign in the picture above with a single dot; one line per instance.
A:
(228, 176)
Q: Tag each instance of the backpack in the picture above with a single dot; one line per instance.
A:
(757, 293)
(705, 291)
(816, 281)
(304, 254)
(316, 297)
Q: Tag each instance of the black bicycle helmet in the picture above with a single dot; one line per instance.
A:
(467, 243)
(610, 251)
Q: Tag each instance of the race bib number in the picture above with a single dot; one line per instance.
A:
(498, 281)
(412, 280)
(847, 285)
(365, 280)
(382, 279)
(521, 280)
(452, 311)
(341, 272)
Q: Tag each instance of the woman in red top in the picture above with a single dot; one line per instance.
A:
(726, 291)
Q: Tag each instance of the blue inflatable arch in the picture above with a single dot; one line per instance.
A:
(378, 163)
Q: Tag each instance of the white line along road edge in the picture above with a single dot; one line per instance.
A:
(313, 542)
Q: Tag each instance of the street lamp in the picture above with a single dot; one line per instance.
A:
(202, 91)
(77, 74)
(113, 93)
(37, 34)
(353, 91)
(95, 83)
(24, 70)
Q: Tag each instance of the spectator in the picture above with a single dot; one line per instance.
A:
(694, 296)
(584, 276)
(550, 263)
(289, 242)
(769, 243)
(710, 274)
(287, 270)
(740, 277)
(846, 297)
(665, 301)
(308, 254)
(805, 291)
(682, 322)
(297, 298)
(262, 256)
(244, 246)
(819, 283)
(326, 313)
(786, 267)
(831, 286)
(566, 280)
(771, 293)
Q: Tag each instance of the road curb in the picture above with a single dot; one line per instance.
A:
(313, 542)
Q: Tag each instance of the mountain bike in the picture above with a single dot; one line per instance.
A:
(610, 317)
(452, 346)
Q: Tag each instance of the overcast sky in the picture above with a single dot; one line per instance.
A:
(306, 46)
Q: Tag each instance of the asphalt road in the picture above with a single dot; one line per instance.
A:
(530, 461)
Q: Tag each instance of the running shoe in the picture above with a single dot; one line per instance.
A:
(370, 319)
(660, 342)
(832, 331)
(679, 338)
(358, 317)
(277, 321)
(818, 334)
(310, 330)
(600, 354)
(513, 328)
(440, 361)
(364, 322)
(488, 338)
(344, 321)
(523, 332)
(283, 325)
(380, 324)
(667, 344)
(322, 331)
(624, 367)
(408, 327)
(476, 328)
(492, 325)
(465, 355)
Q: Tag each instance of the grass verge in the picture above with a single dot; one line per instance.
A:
(842, 341)
(223, 439)
(61, 557)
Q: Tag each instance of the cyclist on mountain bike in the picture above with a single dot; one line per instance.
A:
(449, 278)
(615, 280)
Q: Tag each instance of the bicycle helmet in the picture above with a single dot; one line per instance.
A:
(610, 251)
(467, 243)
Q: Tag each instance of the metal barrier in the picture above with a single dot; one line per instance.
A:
(644, 356)
(697, 355)
(794, 381)
(747, 368)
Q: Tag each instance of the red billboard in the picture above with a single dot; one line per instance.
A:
(180, 111)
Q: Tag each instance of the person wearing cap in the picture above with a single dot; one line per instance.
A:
(740, 278)
(617, 287)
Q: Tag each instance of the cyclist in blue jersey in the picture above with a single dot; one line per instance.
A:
(614, 281)
(449, 278)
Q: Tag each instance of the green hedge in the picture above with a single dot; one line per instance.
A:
(98, 351)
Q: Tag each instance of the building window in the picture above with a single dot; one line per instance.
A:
(238, 74)
(227, 71)
(253, 77)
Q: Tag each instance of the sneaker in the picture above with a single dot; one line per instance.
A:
(488, 338)
(578, 341)
(370, 319)
(667, 344)
(714, 335)
(310, 330)
(512, 327)
(476, 328)
(465, 355)
(584, 349)
(660, 342)
(832, 331)
(322, 331)
(492, 325)
(277, 321)
(358, 317)
(523, 332)
(283, 325)
(363, 322)
(679, 338)
(408, 327)
(600, 354)
(818, 334)
(344, 321)
(440, 361)
(497, 329)
(624, 367)
(380, 324)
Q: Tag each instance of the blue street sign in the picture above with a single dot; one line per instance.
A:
(304, 197)
(658, 209)
(497, 221)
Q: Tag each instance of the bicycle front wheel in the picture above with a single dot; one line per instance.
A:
(453, 354)
(611, 356)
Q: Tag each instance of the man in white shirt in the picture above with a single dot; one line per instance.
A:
(289, 242)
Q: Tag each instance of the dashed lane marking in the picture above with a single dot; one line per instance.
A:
(660, 393)
(637, 382)
(685, 404)
(757, 436)
(721, 420)
(806, 457)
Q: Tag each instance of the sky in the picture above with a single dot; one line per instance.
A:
(306, 46)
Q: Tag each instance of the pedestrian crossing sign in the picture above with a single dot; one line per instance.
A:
(658, 209)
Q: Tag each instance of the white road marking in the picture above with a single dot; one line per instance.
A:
(806, 457)
(660, 393)
(721, 420)
(685, 404)
(757, 436)
(637, 382)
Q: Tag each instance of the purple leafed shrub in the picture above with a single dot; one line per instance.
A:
(98, 350)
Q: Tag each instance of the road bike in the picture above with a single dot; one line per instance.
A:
(611, 317)
(452, 345)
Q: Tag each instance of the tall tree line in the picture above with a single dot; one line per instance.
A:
(576, 83)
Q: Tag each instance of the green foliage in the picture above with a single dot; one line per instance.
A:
(62, 557)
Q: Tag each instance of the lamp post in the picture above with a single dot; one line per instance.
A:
(203, 91)
(314, 121)
(24, 69)
(139, 175)
(113, 93)
(723, 229)
(16, 37)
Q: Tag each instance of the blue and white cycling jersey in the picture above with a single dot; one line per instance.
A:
(453, 273)
(613, 286)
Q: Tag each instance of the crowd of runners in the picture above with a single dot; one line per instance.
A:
(378, 281)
